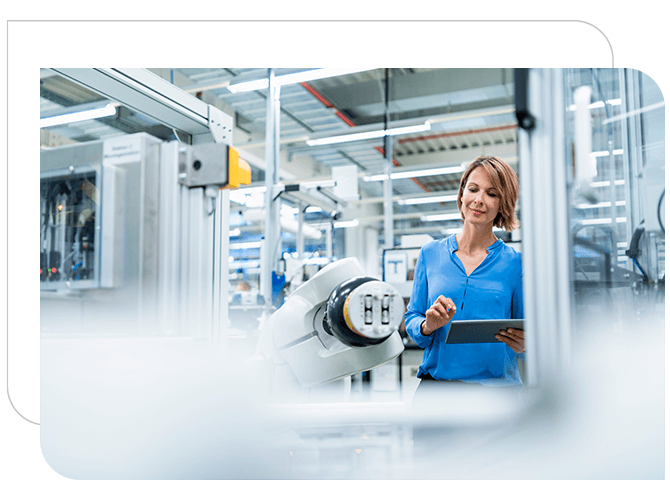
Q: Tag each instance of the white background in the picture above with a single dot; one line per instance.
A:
(638, 39)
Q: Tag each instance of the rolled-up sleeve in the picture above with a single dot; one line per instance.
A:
(416, 309)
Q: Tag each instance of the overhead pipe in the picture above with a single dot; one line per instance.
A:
(327, 104)
(344, 118)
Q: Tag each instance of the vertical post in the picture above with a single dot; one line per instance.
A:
(546, 247)
(300, 238)
(388, 194)
(271, 212)
(630, 208)
(388, 166)
(220, 270)
(276, 212)
(329, 243)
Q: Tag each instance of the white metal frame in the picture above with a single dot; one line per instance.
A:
(546, 244)
(195, 255)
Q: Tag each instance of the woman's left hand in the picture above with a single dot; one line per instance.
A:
(513, 338)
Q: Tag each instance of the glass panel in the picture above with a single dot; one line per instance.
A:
(69, 207)
(617, 221)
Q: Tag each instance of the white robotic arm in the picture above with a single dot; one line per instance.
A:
(336, 324)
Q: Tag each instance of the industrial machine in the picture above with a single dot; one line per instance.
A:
(71, 246)
(338, 323)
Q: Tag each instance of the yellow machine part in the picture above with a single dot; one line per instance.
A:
(239, 171)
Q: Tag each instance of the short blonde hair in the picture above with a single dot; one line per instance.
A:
(505, 181)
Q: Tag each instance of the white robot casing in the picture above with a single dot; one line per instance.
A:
(292, 334)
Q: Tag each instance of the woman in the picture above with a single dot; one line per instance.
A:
(471, 275)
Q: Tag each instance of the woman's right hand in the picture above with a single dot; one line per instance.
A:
(438, 315)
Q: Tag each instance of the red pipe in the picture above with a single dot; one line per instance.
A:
(381, 150)
(327, 103)
(346, 120)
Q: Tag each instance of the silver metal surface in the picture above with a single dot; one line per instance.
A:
(204, 165)
(546, 255)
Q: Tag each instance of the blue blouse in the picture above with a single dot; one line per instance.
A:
(494, 290)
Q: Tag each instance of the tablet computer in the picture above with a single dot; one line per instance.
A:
(478, 331)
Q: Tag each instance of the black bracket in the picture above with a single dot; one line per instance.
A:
(523, 116)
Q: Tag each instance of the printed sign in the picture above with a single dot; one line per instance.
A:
(122, 150)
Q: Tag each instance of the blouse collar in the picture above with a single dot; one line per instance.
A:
(453, 244)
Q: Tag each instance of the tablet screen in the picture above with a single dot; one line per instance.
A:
(479, 330)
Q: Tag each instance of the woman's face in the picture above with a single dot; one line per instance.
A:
(480, 201)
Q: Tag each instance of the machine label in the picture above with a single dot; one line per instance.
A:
(123, 150)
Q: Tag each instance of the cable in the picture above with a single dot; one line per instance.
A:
(640, 268)
(658, 211)
(634, 248)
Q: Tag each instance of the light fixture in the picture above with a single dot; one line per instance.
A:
(428, 199)
(346, 223)
(603, 204)
(597, 222)
(416, 173)
(245, 245)
(372, 134)
(598, 104)
(300, 76)
(439, 217)
(598, 154)
(599, 184)
(78, 116)
(245, 264)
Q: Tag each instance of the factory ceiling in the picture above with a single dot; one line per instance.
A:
(470, 112)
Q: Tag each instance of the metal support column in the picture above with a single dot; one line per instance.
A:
(546, 245)
(388, 166)
(388, 194)
(300, 237)
(271, 179)
(329, 243)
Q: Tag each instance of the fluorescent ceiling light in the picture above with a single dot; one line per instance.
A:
(301, 76)
(416, 173)
(603, 204)
(596, 222)
(244, 264)
(598, 104)
(598, 154)
(79, 116)
(346, 223)
(439, 217)
(599, 184)
(428, 199)
(372, 134)
(244, 245)
(428, 172)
